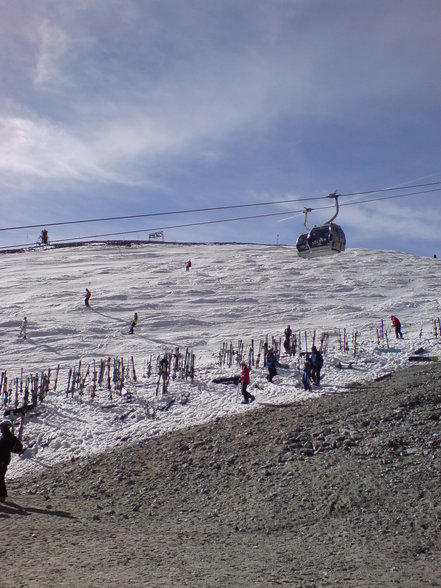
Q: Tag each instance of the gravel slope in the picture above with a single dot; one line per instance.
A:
(339, 491)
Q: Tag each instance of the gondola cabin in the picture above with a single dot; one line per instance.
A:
(324, 240)
(321, 241)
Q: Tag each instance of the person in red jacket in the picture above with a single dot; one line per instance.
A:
(87, 297)
(397, 326)
(245, 380)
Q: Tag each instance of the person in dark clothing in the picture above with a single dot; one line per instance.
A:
(87, 297)
(134, 323)
(306, 377)
(245, 380)
(24, 328)
(9, 443)
(317, 364)
(271, 364)
(287, 342)
(164, 373)
(397, 326)
(44, 237)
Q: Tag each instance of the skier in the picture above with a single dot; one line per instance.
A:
(87, 297)
(245, 380)
(9, 443)
(24, 328)
(397, 326)
(134, 323)
(306, 377)
(287, 342)
(317, 364)
(188, 265)
(271, 364)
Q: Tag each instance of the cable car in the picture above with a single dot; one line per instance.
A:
(324, 240)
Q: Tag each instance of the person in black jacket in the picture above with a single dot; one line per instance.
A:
(271, 364)
(287, 342)
(317, 364)
(9, 443)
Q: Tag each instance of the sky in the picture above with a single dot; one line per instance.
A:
(231, 293)
(114, 108)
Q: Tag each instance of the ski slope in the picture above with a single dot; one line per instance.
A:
(232, 292)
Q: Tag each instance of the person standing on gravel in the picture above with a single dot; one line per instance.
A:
(397, 326)
(245, 380)
(9, 443)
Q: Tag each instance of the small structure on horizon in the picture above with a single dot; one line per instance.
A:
(157, 236)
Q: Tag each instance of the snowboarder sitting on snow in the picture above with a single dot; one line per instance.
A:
(306, 378)
(24, 328)
(271, 364)
(287, 342)
(188, 265)
(134, 323)
(9, 443)
(317, 364)
(44, 237)
(87, 297)
(397, 326)
(245, 380)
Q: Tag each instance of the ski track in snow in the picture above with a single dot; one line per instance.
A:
(232, 292)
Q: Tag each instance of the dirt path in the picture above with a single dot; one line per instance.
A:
(340, 491)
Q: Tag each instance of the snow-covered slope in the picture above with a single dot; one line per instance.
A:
(232, 292)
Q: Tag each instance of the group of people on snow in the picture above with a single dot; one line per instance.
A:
(134, 322)
(311, 368)
(87, 295)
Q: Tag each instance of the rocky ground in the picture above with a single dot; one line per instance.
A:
(341, 491)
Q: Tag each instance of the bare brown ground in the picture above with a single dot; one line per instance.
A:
(341, 491)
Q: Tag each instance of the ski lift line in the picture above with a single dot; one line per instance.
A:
(402, 184)
(210, 209)
(226, 220)
(392, 188)
(387, 198)
(358, 203)
(241, 218)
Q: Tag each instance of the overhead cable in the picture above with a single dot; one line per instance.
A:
(214, 208)
(219, 221)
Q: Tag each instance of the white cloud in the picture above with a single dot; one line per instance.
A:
(47, 151)
(53, 45)
(396, 219)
